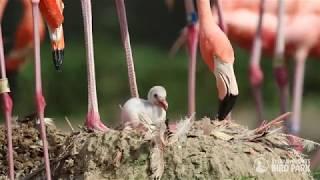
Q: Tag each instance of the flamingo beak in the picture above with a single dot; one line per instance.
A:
(226, 105)
(227, 88)
(164, 104)
(227, 96)
(58, 56)
(57, 42)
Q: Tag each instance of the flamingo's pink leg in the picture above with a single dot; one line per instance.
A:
(192, 39)
(300, 60)
(127, 46)
(280, 69)
(255, 72)
(40, 101)
(93, 120)
(7, 107)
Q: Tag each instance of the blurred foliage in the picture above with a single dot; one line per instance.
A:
(152, 30)
(316, 174)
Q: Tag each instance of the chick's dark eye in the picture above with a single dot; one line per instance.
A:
(155, 95)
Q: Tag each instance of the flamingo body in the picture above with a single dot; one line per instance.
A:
(23, 39)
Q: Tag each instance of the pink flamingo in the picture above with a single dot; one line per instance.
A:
(295, 45)
(190, 34)
(218, 54)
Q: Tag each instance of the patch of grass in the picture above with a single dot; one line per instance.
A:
(316, 174)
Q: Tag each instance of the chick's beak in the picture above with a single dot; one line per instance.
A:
(163, 104)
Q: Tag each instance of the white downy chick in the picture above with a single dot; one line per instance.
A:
(154, 107)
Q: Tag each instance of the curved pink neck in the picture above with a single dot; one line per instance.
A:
(204, 11)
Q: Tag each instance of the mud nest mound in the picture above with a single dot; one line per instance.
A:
(27, 146)
(210, 150)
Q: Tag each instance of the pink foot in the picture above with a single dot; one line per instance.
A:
(93, 122)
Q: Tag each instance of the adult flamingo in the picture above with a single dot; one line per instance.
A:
(6, 99)
(190, 35)
(299, 43)
(243, 32)
(218, 54)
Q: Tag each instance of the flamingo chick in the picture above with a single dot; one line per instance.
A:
(154, 107)
(218, 54)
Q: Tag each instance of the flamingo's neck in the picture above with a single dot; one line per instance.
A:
(204, 11)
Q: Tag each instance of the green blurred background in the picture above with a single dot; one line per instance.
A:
(153, 29)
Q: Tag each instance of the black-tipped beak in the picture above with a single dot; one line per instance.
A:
(58, 56)
(226, 105)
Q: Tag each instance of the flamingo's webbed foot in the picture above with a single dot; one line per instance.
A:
(94, 122)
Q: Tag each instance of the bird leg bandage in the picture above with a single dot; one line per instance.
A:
(4, 86)
(192, 18)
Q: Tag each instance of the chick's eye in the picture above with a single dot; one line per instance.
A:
(155, 95)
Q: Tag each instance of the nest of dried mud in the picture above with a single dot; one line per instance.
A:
(211, 150)
(28, 152)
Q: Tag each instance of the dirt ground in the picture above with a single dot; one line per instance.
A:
(211, 150)
(27, 146)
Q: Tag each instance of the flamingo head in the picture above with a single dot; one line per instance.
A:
(157, 95)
